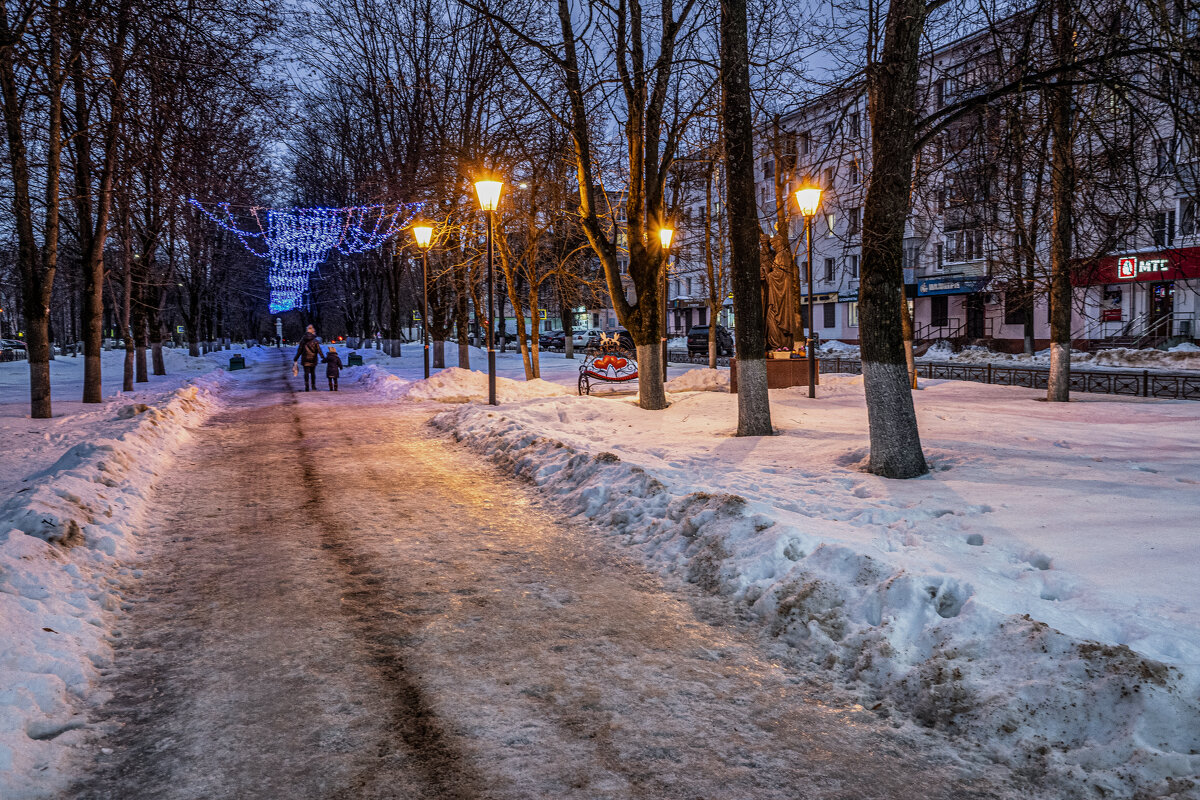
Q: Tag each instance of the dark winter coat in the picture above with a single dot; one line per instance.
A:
(333, 364)
(309, 352)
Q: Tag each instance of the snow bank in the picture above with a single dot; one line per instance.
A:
(700, 380)
(453, 385)
(1184, 356)
(888, 614)
(62, 540)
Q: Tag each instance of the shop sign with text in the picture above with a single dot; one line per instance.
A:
(1129, 267)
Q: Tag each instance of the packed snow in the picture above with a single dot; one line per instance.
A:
(1016, 596)
(74, 487)
(1034, 595)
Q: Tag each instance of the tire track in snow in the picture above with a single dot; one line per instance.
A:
(444, 768)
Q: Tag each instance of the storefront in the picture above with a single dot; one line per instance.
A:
(1151, 294)
(951, 305)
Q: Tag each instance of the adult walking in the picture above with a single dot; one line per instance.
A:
(309, 355)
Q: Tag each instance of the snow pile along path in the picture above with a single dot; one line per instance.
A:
(453, 385)
(700, 380)
(62, 541)
(890, 616)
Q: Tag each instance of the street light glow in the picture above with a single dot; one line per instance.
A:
(489, 193)
(664, 236)
(423, 233)
(809, 199)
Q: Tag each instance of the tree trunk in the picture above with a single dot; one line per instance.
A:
(754, 405)
(37, 268)
(127, 314)
(139, 338)
(906, 325)
(568, 318)
(892, 97)
(713, 289)
(156, 339)
(1062, 189)
(439, 354)
(534, 321)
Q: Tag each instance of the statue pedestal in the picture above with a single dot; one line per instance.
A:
(781, 373)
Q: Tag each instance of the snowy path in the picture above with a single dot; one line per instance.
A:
(339, 603)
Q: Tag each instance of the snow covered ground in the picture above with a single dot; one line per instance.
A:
(72, 489)
(1035, 594)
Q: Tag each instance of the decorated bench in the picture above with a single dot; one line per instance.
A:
(607, 362)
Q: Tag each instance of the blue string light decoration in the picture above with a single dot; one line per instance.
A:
(298, 240)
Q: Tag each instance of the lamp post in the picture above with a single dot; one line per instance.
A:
(423, 233)
(664, 239)
(809, 200)
(489, 197)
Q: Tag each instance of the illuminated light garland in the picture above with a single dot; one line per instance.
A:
(298, 240)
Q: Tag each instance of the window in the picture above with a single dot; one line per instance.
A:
(852, 314)
(852, 266)
(966, 245)
(1164, 157)
(941, 201)
(853, 221)
(700, 312)
(1164, 229)
(1187, 221)
(830, 310)
(830, 128)
(831, 221)
(689, 287)
(941, 257)
(804, 143)
(829, 177)
(939, 311)
(595, 320)
(853, 168)
(828, 269)
(768, 170)
(910, 258)
(855, 124)
(1014, 309)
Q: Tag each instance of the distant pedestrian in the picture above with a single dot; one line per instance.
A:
(333, 365)
(309, 355)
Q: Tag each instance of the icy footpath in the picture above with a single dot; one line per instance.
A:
(1090, 718)
(62, 542)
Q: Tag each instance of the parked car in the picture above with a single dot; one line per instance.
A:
(558, 341)
(12, 350)
(546, 339)
(582, 337)
(622, 335)
(697, 341)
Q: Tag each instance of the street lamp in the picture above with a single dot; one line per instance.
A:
(489, 197)
(423, 233)
(809, 200)
(664, 239)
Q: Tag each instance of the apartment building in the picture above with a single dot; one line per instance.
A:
(968, 269)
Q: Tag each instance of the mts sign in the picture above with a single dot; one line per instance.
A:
(1130, 267)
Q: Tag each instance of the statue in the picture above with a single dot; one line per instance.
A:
(778, 294)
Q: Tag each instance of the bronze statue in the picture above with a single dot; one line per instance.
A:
(778, 294)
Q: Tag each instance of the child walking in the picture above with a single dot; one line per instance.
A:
(333, 365)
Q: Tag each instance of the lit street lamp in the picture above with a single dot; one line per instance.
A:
(423, 233)
(664, 238)
(809, 200)
(489, 198)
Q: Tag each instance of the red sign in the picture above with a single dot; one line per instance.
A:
(1168, 265)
